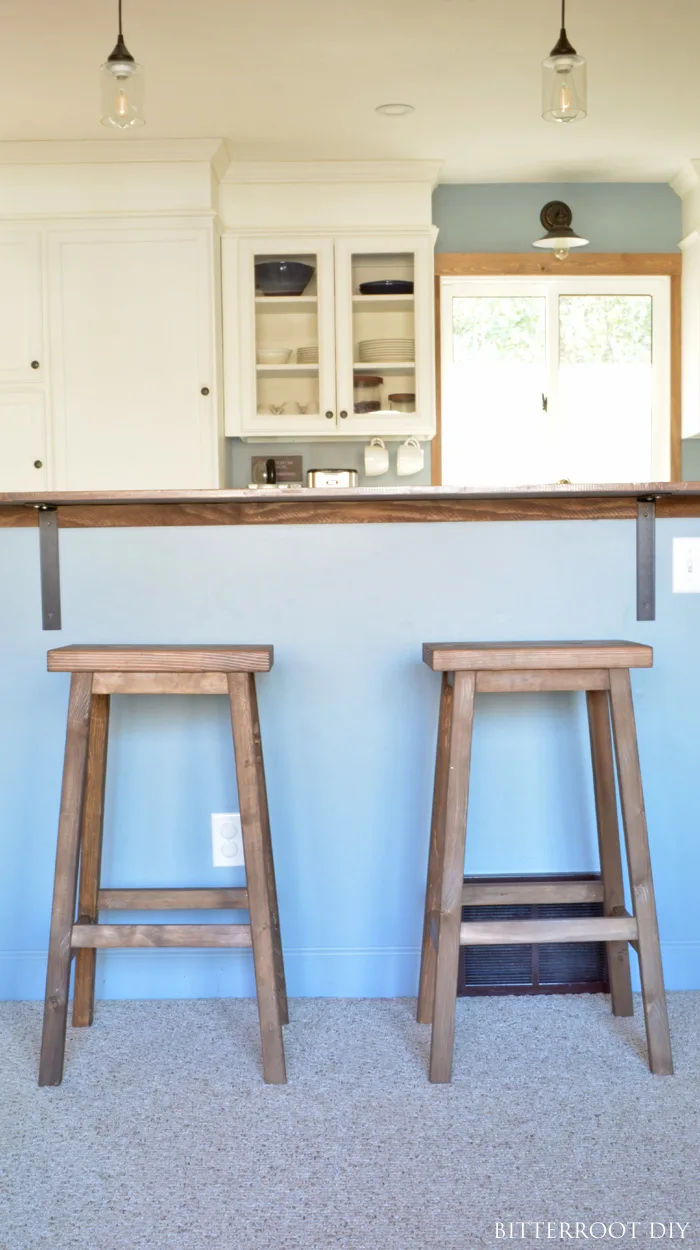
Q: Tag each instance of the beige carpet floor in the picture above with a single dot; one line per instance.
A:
(164, 1137)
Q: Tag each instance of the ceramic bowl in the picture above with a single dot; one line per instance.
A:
(274, 355)
(283, 277)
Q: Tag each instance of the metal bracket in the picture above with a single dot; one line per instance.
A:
(49, 567)
(646, 559)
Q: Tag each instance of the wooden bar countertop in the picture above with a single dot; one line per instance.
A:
(358, 505)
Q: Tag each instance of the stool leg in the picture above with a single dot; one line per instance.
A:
(261, 923)
(426, 988)
(53, 1039)
(91, 857)
(609, 845)
(450, 916)
(269, 860)
(639, 862)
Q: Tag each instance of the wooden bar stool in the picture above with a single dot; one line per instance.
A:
(97, 673)
(602, 670)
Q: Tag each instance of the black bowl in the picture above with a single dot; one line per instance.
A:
(387, 286)
(283, 277)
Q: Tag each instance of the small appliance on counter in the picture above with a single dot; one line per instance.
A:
(332, 477)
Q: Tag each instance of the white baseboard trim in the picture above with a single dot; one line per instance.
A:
(321, 972)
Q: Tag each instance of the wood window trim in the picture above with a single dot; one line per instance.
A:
(601, 264)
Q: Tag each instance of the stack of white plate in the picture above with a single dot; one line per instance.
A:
(307, 355)
(374, 350)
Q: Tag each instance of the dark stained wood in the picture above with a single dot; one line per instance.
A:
(146, 658)
(280, 980)
(474, 656)
(592, 264)
(609, 846)
(126, 935)
(259, 901)
(216, 898)
(53, 1039)
(529, 681)
(492, 893)
(91, 856)
(349, 512)
(366, 505)
(447, 955)
(639, 864)
(18, 518)
(426, 988)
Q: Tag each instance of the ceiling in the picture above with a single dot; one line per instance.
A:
(300, 80)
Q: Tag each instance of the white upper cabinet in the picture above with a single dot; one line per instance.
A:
(21, 310)
(312, 351)
(134, 378)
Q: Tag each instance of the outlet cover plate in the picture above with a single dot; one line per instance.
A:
(227, 840)
(686, 566)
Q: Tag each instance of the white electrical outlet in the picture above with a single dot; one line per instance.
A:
(227, 840)
(686, 566)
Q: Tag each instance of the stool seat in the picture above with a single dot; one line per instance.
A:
(451, 657)
(188, 658)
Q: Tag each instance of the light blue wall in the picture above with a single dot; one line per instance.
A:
(349, 720)
(505, 217)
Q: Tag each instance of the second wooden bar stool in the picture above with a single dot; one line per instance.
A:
(97, 673)
(602, 670)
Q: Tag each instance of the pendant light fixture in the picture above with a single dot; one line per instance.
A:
(556, 217)
(564, 80)
(122, 86)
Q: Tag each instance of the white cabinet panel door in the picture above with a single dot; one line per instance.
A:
(134, 377)
(21, 351)
(22, 441)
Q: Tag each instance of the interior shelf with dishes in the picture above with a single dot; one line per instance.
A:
(334, 337)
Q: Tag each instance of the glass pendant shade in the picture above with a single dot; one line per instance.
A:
(564, 88)
(121, 82)
(564, 80)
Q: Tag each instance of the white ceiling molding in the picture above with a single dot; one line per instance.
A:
(116, 151)
(241, 172)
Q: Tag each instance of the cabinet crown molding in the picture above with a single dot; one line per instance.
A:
(332, 171)
(115, 151)
(687, 179)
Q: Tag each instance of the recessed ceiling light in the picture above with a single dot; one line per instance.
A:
(395, 110)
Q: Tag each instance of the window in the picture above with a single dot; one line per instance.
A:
(547, 379)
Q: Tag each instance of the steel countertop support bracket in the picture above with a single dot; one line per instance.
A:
(646, 559)
(49, 567)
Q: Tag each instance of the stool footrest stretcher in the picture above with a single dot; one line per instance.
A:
(122, 935)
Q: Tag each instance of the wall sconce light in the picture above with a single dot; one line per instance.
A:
(556, 218)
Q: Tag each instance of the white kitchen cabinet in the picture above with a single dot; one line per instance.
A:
(21, 308)
(276, 387)
(133, 371)
(23, 444)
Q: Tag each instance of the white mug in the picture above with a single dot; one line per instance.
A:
(409, 458)
(376, 458)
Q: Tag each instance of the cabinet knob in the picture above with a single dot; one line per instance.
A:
(35, 364)
(343, 414)
(205, 390)
(38, 464)
(329, 415)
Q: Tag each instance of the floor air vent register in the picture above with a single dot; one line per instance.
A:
(543, 968)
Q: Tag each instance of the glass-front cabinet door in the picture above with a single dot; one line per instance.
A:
(287, 337)
(384, 336)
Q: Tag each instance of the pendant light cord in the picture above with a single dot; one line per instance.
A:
(120, 17)
(563, 14)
